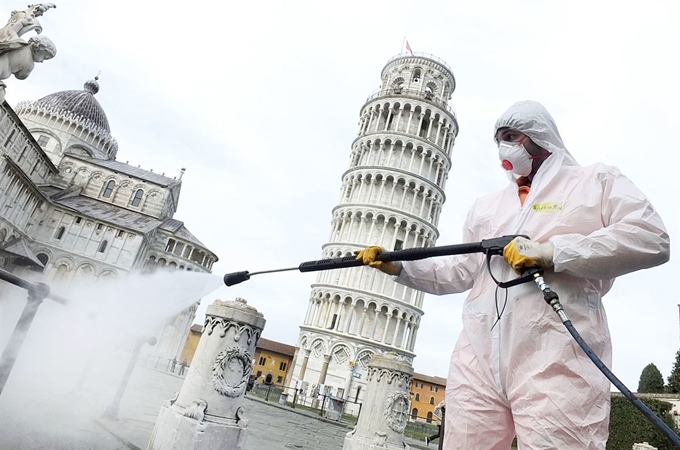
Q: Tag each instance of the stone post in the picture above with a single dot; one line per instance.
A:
(386, 407)
(208, 412)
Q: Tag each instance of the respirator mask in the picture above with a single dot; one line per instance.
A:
(514, 157)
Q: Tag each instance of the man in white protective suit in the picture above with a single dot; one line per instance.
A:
(523, 374)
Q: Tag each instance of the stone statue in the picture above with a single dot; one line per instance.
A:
(17, 56)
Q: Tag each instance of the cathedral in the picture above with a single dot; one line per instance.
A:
(392, 194)
(70, 210)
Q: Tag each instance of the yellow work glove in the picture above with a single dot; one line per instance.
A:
(368, 255)
(522, 253)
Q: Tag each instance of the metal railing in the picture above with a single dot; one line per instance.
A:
(334, 408)
(429, 56)
(416, 94)
(420, 428)
(323, 405)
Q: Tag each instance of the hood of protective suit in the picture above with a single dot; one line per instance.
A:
(532, 119)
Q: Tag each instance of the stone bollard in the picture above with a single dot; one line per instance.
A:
(208, 412)
(385, 411)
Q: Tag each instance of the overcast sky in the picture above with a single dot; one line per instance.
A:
(260, 102)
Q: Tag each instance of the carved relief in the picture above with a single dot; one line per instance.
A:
(197, 409)
(211, 322)
(241, 419)
(225, 359)
(389, 375)
(380, 439)
(242, 424)
(168, 403)
(397, 407)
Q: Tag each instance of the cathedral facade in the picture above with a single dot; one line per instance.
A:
(69, 210)
(392, 194)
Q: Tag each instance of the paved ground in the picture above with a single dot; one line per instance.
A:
(52, 421)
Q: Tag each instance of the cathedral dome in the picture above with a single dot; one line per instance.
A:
(81, 104)
(76, 113)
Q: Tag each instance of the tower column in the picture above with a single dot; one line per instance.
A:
(388, 319)
(350, 316)
(303, 366)
(362, 322)
(324, 369)
(396, 331)
(376, 320)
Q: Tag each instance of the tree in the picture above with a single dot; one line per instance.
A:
(651, 380)
(674, 378)
(627, 425)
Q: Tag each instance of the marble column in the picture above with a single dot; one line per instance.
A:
(289, 374)
(386, 407)
(208, 411)
(303, 367)
(324, 369)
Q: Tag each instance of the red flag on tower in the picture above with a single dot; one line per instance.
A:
(408, 47)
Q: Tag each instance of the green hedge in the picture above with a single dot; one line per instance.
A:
(628, 426)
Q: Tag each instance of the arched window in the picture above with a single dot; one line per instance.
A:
(417, 396)
(398, 84)
(61, 272)
(149, 264)
(109, 189)
(102, 246)
(137, 199)
(414, 414)
(43, 258)
(431, 400)
(429, 417)
(416, 76)
(60, 233)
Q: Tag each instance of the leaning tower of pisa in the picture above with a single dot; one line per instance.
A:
(392, 193)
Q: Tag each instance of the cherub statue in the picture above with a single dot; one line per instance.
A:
(17, 56)
(21, 22)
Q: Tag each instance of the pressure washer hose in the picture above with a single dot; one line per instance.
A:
(553, 300)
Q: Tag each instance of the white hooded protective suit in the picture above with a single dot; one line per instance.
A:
(527, 376)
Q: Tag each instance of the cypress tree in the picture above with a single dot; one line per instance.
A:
(674, 378)
(651, 380)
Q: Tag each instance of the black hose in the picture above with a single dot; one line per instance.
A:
(644, 409)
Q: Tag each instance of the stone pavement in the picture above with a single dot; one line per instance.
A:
(74, 422)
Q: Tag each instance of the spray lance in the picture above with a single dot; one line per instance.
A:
(490, 247)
